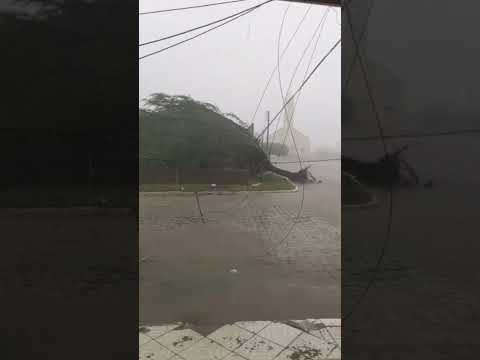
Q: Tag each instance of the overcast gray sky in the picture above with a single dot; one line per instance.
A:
(230, 66)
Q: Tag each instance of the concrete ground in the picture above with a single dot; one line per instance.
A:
(244, 340)
(240, 264)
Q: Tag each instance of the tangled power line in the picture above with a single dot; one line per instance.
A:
(221, 22)
(191, 7)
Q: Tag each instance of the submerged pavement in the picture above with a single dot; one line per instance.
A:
(250, 258)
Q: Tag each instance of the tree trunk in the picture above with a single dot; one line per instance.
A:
(264, 164)
(302, 176)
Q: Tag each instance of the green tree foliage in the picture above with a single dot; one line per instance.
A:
(178, 131)
(236, 119)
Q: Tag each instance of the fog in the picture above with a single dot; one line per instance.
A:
(230, 66)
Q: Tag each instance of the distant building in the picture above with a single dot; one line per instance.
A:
(284, 134)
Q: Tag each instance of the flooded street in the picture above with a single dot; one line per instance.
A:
(248, 261)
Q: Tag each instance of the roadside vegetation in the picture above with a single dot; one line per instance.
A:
(180, 132)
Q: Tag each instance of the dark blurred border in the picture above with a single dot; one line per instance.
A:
(69, 179)
(410, 263)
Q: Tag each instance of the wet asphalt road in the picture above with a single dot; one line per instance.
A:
(185, 268)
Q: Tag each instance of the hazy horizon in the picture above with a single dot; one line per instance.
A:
(230, 66)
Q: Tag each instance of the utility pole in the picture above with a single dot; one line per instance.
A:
(268, 132)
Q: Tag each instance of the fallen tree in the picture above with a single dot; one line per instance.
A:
(178, 131)
(302, 176)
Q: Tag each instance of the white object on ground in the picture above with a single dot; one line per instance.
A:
(234, 271)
